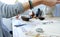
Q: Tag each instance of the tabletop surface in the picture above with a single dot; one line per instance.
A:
(51, 27)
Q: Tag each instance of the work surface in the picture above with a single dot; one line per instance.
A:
(50, 27)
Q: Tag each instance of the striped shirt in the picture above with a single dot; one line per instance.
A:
(7, 11)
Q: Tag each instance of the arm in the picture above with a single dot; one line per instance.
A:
(7, 11)
(12, 10)
(38, 2)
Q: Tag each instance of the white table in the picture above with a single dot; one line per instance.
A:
(50, 27)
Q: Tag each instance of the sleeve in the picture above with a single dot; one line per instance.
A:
(7, 11)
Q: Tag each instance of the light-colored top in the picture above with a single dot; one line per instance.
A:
(7, 11)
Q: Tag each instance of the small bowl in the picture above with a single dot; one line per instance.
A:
(24, 18)
(41, 18)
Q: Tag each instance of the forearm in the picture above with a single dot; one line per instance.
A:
(26, 5)
(38, 2)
